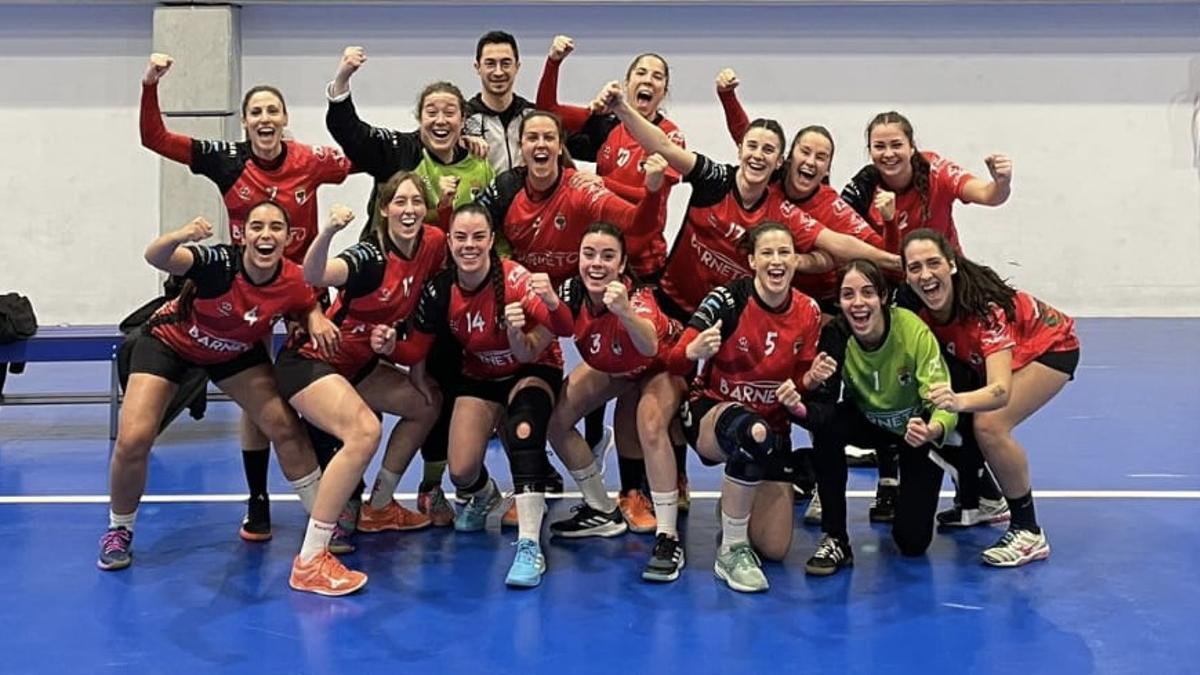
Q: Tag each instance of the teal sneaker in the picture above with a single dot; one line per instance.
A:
(528, 566)
(473, 517)
(741, 569)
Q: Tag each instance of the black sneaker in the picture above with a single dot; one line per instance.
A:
(832, 554)
(665, 560)
(256, 526)
(884, 508)
(588, 522)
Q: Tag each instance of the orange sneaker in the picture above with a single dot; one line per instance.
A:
(510, 516)
(391, 517)
(685, 497)
(325, 575)
(435, 505)
(638, 512)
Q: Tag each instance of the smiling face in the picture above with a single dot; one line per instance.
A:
(646, 84)
(497, 67)
(266, 235)
(773, 261)
(541, 146)
(891, 153)
(470, 242)
(760, 155)
(441, 121)
(264, 118)
(809, 164)
(930, 274)
(601, 261)
(862, 303)
(405, 211)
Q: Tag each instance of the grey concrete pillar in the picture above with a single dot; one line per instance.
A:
(200, 97)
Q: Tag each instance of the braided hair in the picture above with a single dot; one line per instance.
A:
(920, 164)
(977, 288)
(495, 275)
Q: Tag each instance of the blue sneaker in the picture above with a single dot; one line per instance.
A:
(528, 566)
(116, 549)
(473, 517)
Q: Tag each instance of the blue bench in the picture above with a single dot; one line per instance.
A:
(77, 343)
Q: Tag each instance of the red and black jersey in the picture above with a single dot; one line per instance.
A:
(706, 252)
(946, 183)
(382, 287)
(290, 180)
(601, 338)
(474, 320)
(761, 347)
(834, 213)
(1038, 329)
(229, 313)
(545, 230)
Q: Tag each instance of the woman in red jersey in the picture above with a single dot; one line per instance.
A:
(758, 338)
(231, 300)
(1027, 350)
(512, 372)
(262, 167)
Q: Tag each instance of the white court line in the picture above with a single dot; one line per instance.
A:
(854, 494)
(955, 605)
(1158, 475)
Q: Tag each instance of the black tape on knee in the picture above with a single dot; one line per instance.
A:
(527, 456)
(733, 430)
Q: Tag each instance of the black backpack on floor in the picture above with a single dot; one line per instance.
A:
(17, 322)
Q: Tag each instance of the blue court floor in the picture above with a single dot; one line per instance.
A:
(1115, 459)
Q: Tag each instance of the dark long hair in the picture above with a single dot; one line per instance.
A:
(384, 196)
(920, 165)
(258, 89)
(977, 288)
(777, 129)
(607, 228)
(495, 275)
(872, 273)
(564, 159)
(814, 129)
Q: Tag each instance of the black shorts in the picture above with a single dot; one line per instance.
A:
(1063, 362)
(781, 464)
(295, 371)
(154, 357)
(498, 391)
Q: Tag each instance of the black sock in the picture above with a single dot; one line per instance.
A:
(593, 427)
(888, 458)
(1023, 515)
(633, 473)
(255, 462)
(681, 458)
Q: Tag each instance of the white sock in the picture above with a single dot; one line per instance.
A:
(591, 484)
(531, 507)
(306, 488)
(385, 486)
(733, 531)
(666, 512)
(125, 521)
(316, 539)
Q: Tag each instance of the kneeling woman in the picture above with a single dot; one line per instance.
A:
(512, 371)
(378, 281)
(228, 307)
(1028, 351)
(758, 337)
(623, 338)
(890, 363)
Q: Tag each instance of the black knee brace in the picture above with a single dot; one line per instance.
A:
(733, 434)
(527, 456)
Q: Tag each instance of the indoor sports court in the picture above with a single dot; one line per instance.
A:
(1091, 106)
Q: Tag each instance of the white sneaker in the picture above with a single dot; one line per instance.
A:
(1016, 548)
(989, 512)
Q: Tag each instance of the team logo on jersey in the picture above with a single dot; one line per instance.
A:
(743, 344)
(385, 292)
(244, 193)
(560, 222)
(951, 349)
(476, 190)
(616, 348)
(251, 315)
(319, 151)
(976, 359)
(301, 196)
(225, 308)
(904, 376)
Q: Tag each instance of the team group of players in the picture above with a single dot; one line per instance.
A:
(854, 315)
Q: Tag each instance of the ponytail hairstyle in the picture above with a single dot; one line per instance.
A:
(604, 227)
(495, 275)
(384, 196)
(564, 157)
(813, 129)
(920, 165)
(258, 89)
(666, 71)
(750, 238)
(777, 129)
(977, 288)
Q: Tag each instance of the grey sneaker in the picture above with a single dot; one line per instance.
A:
(116, 549)
(740, 568)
